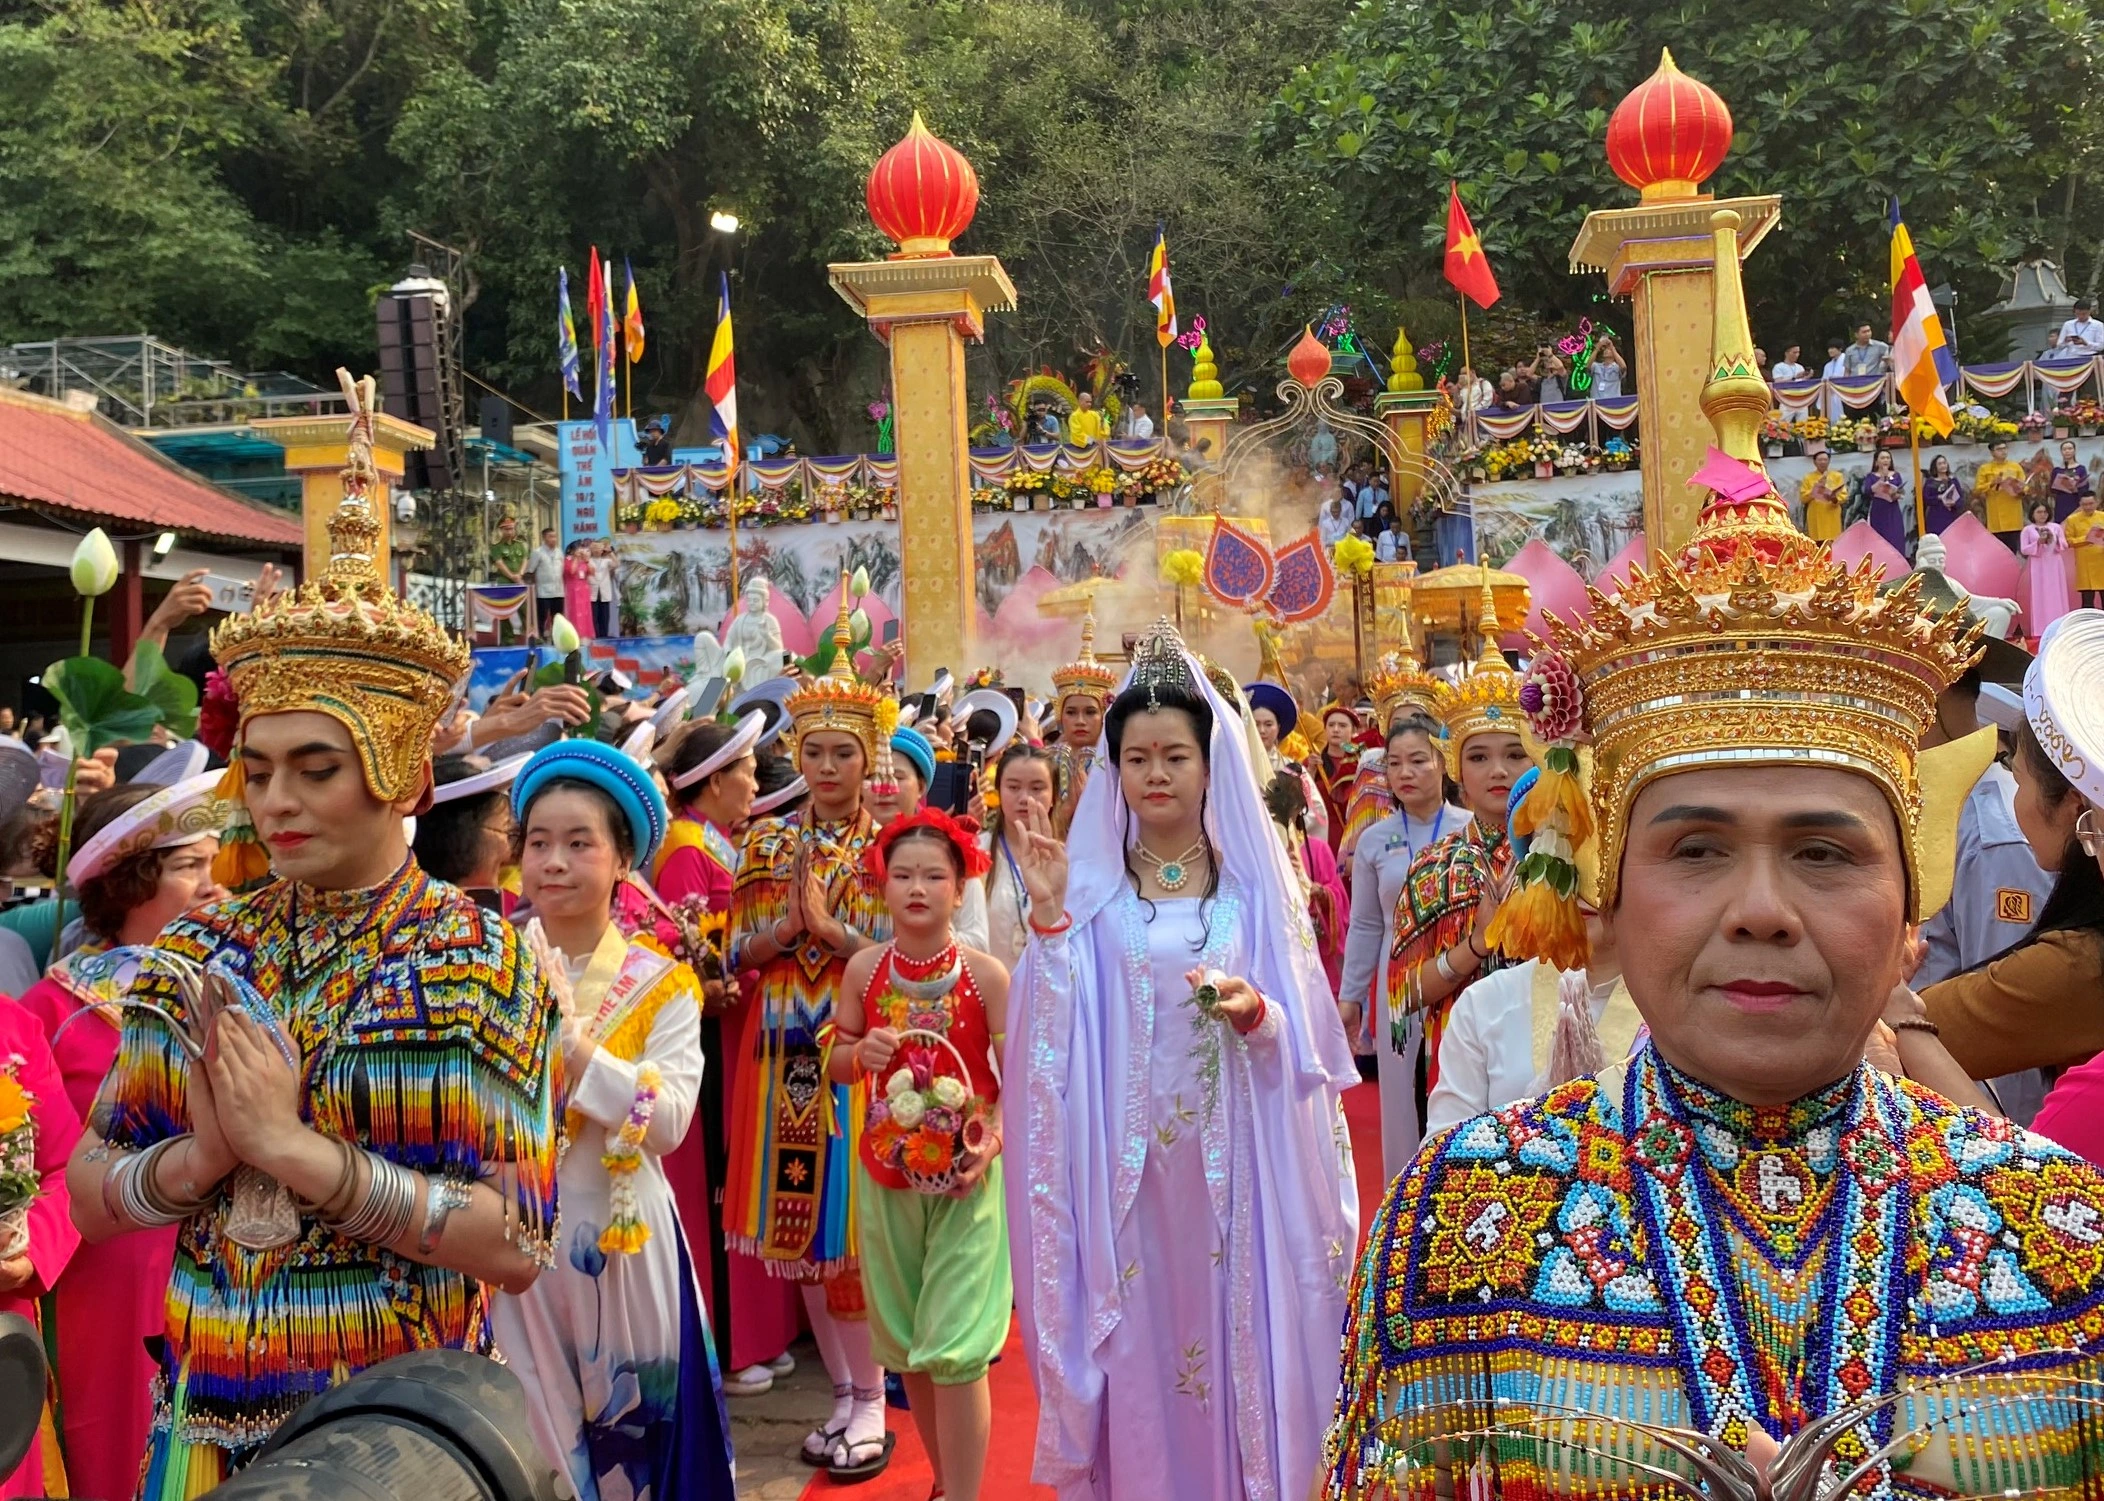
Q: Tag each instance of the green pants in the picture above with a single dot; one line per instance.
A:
(935, 1273)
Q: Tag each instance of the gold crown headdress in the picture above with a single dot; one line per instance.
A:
(1487, 701)
(1084, 675)
(343, 645)
(1158, 662)
(1751, 646)
(1400, 685)
(840, 700)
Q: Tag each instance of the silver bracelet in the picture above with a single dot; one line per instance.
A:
(1446, 970)
(144, 1204)
(383, 1216)
(445, 1196)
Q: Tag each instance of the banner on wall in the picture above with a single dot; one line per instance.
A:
(588, 475)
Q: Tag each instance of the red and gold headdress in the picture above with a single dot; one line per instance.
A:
(840, 700)
(1400, 685)
(1751, 646)
(1084, 675)
(962, 833)
(343, 645)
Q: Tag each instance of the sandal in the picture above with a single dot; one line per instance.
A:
(826, 1440)
(845, 1471)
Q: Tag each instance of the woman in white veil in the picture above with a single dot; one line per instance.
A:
(1184, 1223)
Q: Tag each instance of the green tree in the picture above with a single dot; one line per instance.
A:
(1976, 113)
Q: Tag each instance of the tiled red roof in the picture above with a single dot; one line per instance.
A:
(52, 457)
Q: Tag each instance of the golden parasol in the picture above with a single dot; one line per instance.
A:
(1449, 600)
(1073, 600)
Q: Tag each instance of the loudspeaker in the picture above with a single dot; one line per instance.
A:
(416, 357)
(496, 420)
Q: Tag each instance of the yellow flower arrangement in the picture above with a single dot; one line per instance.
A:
(14, 1103)
(1183, 567)
(1353, 556)
(661, 512)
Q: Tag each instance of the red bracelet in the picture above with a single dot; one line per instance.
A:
(1262, 1006)
(1066, 921)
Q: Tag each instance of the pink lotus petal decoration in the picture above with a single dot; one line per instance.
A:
(1862, 541)
(1636, 552)
(1979, 560)
(1555, 588)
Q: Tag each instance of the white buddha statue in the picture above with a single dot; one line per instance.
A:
(755, 631)
(1931, 556)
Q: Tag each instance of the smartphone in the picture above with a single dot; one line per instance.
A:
(1017, 697)
(703, 704)
(891, 631)
(235, 596)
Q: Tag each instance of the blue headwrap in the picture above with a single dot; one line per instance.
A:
(605, 768)
(913, 745)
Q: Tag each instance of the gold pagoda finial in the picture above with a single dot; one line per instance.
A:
(1403, 374)
(354, 531)
(1487, 623)
(1735, 399)
(843, 633)
(1088, 633)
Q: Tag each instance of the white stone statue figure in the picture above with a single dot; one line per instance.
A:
(756, 631)
(708, 656)
(1930, 556)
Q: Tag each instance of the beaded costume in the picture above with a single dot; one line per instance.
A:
(1642, 1248)
(425, 1030)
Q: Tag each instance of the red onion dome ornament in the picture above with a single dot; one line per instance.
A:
(1668, 137)
(922, 193)
(1310, 360)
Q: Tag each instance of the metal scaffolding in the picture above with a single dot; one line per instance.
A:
(136, 380)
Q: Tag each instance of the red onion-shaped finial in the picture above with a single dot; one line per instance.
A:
(922, 193)
(1310, 360)
(1669, 135)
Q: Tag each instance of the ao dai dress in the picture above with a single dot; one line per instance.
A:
(2049, 580)
(611, 1342)
(1379, 864)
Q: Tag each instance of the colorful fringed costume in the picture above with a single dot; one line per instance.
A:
(612, 1343)
(788, 1197)
(426, 1034)
(1641, 1249)
(1434, 912)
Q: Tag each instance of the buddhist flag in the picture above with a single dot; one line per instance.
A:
(566, 335)
(632, 319)
(603, 397)
(721, 381)
(1159, 292)
(1466, 265)
(1920, 358)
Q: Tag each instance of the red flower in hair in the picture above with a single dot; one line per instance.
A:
(218, 716)
(963, 834)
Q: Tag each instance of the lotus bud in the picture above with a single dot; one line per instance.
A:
(563, 636)
(734, 665)
(859, 584)
(95, 566)
(858, 626)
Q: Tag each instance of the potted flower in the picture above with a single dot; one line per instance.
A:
(1544, 451)
(2087, 414)
(660, 514)
(832, 501)
(1775, 433)
(2063, 421)
(1616, 453)
(1101, 484)
(2032, 427)
(888, 502)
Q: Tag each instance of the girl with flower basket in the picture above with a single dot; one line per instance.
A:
(921, 1016)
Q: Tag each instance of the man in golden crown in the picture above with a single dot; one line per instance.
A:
(800, 907)
(339, 1088)
(1643, 1282)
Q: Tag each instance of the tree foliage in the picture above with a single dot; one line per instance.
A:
(1980, 114)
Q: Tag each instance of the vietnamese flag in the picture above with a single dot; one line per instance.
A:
(1466, 265)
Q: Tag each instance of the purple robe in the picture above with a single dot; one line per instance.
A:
(1887, 494)
(1944, 501)
(2067, 498)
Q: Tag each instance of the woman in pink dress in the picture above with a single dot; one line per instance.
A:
(577, 587)
(711, 770)
(113, 1296)
(2049, 585)
(34, 1253)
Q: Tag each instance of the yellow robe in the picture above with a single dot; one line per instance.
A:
(1823, 493)
(1084, 428)
(2085, 534)
(1999, 484)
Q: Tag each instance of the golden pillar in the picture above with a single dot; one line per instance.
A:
(1665, 139)
(316, 449)
(925, 302)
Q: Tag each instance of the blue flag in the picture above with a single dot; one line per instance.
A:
(566, 337)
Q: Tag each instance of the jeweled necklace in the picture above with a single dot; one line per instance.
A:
(1172, 874)
(926, 979)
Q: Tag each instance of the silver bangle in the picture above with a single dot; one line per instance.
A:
(383, 1216)
(143, 1202)
(445, 1196)
(1446, 971)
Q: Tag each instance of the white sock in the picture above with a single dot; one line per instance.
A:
(865, 1424)
(834, 1351)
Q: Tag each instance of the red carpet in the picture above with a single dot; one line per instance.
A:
(1015, 1401)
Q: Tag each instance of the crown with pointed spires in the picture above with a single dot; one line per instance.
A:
(840, 700)
(343, 644)
(1085, 675)
(1487, 700)
(1752, 645)
(1400, 685)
